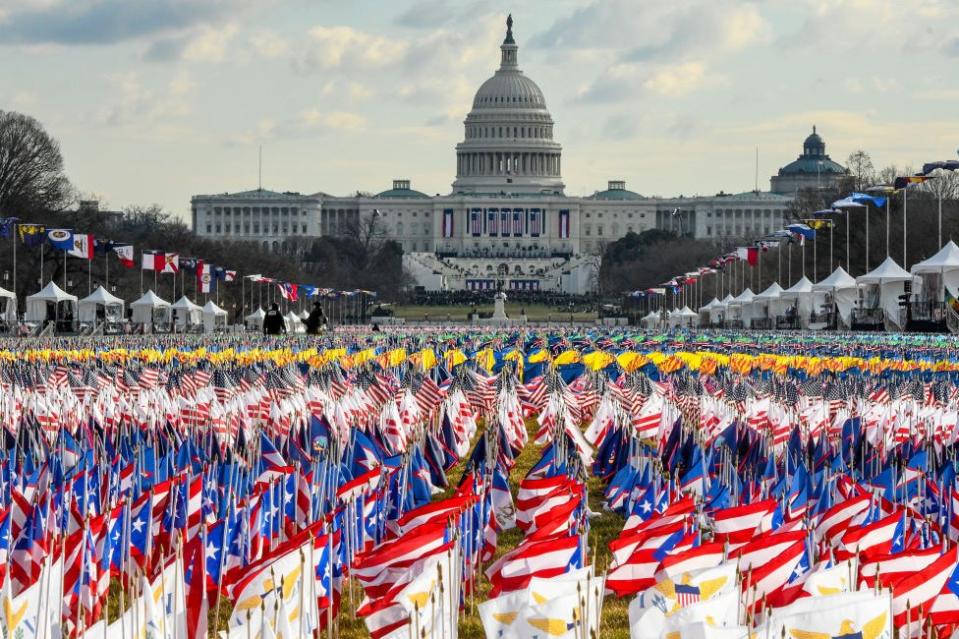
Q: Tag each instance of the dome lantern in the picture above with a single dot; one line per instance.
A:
(508, 145)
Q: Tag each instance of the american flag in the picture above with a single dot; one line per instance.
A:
(476, 222)
(518, 222)
(492, 222)
(535, 222)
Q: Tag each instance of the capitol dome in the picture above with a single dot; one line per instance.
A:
(508, 146)
(509, 89)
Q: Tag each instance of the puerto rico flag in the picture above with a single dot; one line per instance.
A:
(448, 223)
(564, 224)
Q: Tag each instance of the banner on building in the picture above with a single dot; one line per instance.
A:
(564, 224)
(535, 222)
(492, 222)
(476, 222)
(448, 223)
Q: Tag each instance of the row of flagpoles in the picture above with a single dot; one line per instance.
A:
(878, 197)
(205, 274)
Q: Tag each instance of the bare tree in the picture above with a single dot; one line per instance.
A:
(861, 169)
(369, 230)
(31, 167)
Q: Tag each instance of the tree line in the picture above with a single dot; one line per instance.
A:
(35, 189)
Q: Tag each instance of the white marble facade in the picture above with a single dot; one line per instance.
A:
(507, 209)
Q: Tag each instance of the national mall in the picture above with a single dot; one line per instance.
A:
(507, 222)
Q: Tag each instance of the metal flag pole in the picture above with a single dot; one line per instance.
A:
(905, 205)
(832, 225)
(106, 269)
(940, 217)
(89, 277)
(867, 211)
(888, 204)
(64, 270)
(16, 232)
(848, 270)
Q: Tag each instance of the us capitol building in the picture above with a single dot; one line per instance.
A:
(507, 223)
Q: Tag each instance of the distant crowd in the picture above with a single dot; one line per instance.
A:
(557, 301)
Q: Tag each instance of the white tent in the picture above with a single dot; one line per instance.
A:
(717, 314)
(795, 301)
(687, 317)
(186, 315)
(214, 318)
(254, 321)
(840, 289)
(304, 315)
(101, 306)
(652, 321)
(939, 272)
(52, 303)
(738, 309)
(759, 308)
(8, 307)
(705, 312)
(294, 324)
(881, 289)
(152, 312)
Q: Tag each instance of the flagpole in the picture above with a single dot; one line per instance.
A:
(888, 201)
(905, 204)
(89, 277)
(832, 225)
(16, 232)
(848, 269)
(815, 264)
(64, 270)
(867, 212)
(106, 269)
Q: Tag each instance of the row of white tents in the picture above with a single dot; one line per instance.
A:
(874, 296)
(150, 311)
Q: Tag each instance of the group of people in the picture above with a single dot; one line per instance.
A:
(275, 324)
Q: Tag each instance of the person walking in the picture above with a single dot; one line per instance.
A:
(273, 322)
(316, 321)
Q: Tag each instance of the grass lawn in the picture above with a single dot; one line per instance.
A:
(535, 313)
(615, 621)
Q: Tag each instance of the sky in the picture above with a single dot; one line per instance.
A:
(157, 100)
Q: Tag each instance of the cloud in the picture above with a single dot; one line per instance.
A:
(620, 127)
(677, 80)
(210, 44)
(431, 14)
(342, 46)
(269, 44)
(675, 39)
(317, 120)
(859, 25)
(105, 22)
(135, 105)
(666, 30)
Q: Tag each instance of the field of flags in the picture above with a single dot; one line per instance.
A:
(708, 485)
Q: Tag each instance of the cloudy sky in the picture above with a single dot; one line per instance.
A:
(156, 100)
